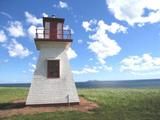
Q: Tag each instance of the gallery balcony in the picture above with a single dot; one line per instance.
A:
(55, 35)
(52, 37)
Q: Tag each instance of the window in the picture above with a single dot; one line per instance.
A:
(53, 69)
(59, 31)
(47, 30)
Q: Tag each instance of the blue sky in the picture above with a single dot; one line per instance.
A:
(112, 40)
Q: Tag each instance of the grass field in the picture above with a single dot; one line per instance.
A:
(115, 104)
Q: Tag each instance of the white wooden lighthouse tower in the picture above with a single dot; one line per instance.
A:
(52, 81)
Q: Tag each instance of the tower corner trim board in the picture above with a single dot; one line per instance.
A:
(52, 80)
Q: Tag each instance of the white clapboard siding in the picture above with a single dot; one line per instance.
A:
(52, 91)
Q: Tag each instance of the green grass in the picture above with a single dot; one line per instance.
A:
(115, 104)
(9, 94)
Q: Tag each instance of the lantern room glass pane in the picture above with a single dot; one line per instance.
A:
(59, 31)
(47, 30)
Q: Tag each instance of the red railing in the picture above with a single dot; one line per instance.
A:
(59, 34)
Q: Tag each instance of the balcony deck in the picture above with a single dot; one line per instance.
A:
(56, 36)
(44, 37)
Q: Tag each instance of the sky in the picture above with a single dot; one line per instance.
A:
(112, 39)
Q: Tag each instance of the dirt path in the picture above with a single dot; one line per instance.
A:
(18, 107)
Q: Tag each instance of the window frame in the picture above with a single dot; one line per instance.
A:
(47, 30)
(59, 30)
(48, 72)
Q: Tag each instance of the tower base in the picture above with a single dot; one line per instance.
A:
(52, 91)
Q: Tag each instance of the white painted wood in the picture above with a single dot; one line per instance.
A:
(52, 91)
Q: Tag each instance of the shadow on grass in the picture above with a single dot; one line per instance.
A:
(5, 106)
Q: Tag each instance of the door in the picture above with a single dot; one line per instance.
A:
(53, 70)
(53, 30)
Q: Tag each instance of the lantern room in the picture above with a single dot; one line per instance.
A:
(51, 32)
(53, 29)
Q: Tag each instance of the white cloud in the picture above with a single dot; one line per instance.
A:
(135, 11)
(115, 28)
(145, 64)
(6, 14)
(80, 41)
(103, 46)
(34, 58)
(32, 19)
(61, 4)
(67, 27)
(44, 15)
(32, 31)
(90, 59)
(87, 25)
(35, 23)
(32, 67)
(15, 29)
(3, 37)
(4, 61)
(71, 53)
(105, 68)
(92, 69)
(16, 49)
(23, 71)
(85, 70)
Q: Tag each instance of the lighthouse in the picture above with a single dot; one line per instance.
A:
(52, 80)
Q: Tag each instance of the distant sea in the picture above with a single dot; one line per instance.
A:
(149, 83)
